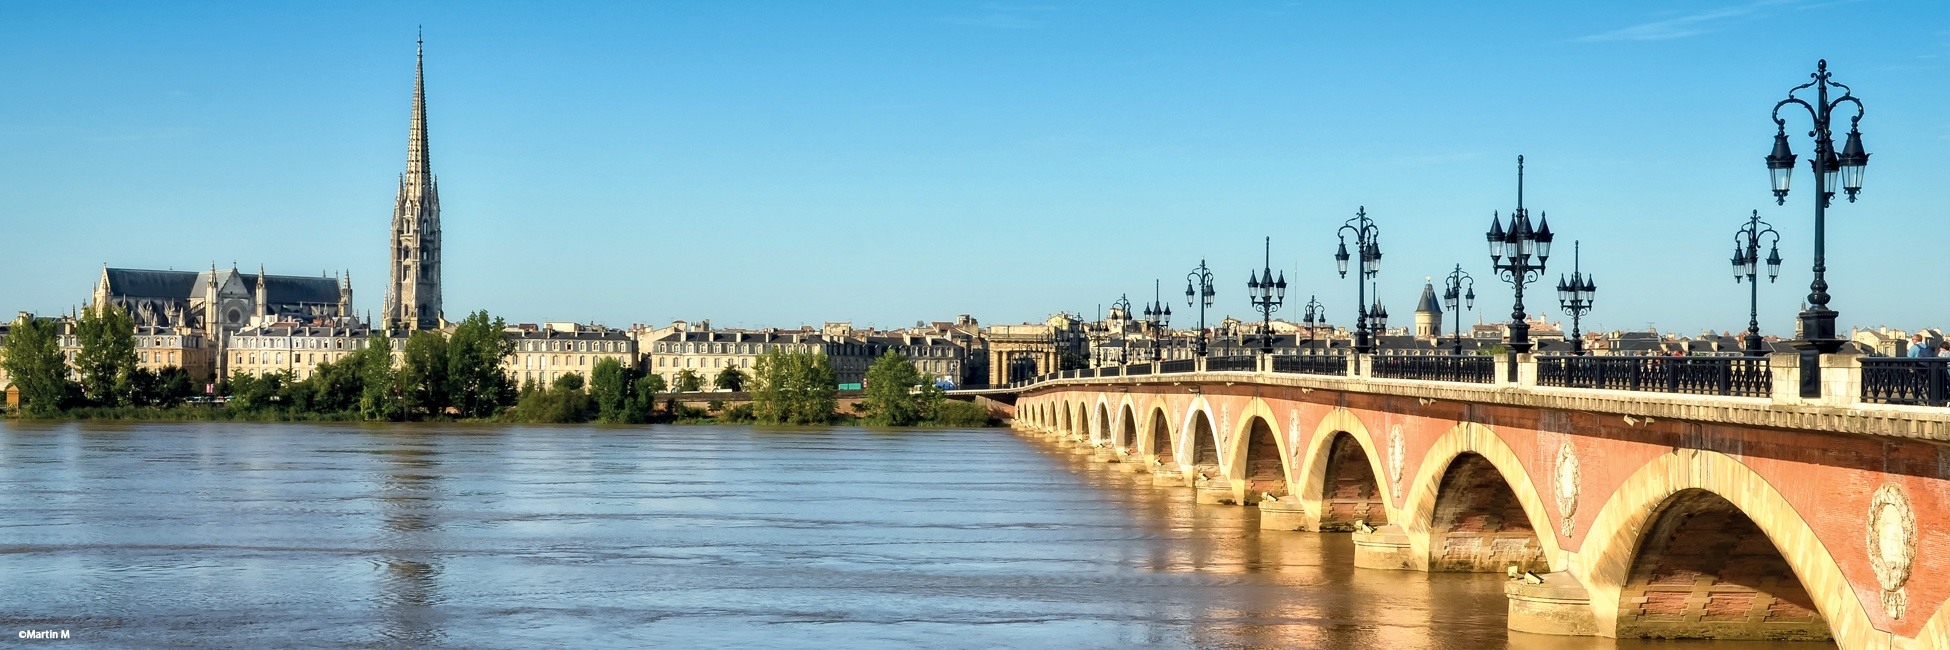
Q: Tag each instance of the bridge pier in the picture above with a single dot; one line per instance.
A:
(1168, 475)
(1287, 513)
(1216, 491)
(1385, 548)
(1558, 606)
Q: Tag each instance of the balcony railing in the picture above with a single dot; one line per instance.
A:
(1470, 368)
(1178, 365)
(1137, 369)
(1906, 381)
(1733, 376)
(1238, 363)
(1311, 364)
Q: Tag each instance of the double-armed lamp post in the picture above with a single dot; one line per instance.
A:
(1458, 295)
(1120, 316)
(1198, 293)
(1518, 254)
(1367, 240)
(1574, 295)
(1746, 259)
(1831, 170)
(1158, 315)
(1267, 295)
(1314, 316)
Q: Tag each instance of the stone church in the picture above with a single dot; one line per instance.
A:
(232, 310)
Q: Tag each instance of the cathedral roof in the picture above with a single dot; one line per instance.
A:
(143, 283)
(184, 285)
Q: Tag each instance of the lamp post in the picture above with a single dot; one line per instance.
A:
(1314, 315)
(1120, 315)
(1746, 255)
(1367, 241)
(1459, 295)
(1830, 170)
(1266, 294)
(1574, 295)
(1198, 293)
(1158, 314)
(1518, 255)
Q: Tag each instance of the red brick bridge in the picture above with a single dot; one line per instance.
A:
(1723, 505)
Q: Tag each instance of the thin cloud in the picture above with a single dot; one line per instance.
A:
(1683, 26)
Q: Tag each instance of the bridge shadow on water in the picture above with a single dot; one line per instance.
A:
(1285, 589)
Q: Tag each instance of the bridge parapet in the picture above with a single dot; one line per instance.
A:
(1902, 399)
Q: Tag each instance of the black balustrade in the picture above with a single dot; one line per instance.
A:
(1137, 369)
(1311, 364)
(1467, 368)
(1238, 363)
(1919, 382)
(1178, 365)
(1731, 376)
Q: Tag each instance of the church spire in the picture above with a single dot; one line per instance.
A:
(419, 163)
(413, 287)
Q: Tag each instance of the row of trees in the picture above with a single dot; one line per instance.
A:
(436, 375)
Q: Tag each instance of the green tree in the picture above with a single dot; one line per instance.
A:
(730, 379)
(379, 379)
(106, 361)
(889, 398)
(610, 386)
(643, 398)
(476, 383)
(793, 388)
(32, 358)
(567, 381)
(173, 385)
(689, 382)
(423, 373)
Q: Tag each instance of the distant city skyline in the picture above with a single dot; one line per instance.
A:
(887, 163)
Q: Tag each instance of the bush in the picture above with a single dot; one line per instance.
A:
(951, 413)
(739, 413)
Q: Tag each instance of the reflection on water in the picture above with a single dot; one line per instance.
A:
(245, 535)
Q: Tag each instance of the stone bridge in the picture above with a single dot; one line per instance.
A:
(1746, 513)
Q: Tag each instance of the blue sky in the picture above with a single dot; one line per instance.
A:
(886, 162)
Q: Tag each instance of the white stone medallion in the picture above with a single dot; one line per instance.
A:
(1892, 545)
(1397, 454)
(1567, 486)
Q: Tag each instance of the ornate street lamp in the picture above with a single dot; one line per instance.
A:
(1746, 256)
(1266, 294)
(1574, 295)
(1518, 254)
(1459, 295)
(1315, 315)
(1120, 314)
(1158, 315)
(1367, 241)
(1198, 293)
(1830, 170)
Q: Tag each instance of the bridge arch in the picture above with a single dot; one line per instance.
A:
(1069, 422)
(1126, 438)
(1342, 477)
(1100, 431)
(1257, 457)
(1657, 499)
(1155, 439)
(1468, 480)
(1199, 439)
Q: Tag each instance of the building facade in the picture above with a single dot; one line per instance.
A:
(548, 351)
(293, 348)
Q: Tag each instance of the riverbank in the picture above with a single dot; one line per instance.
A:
(950, 415)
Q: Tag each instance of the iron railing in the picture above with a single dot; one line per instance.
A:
(1733, 376)
(1237, 363)
(1902, 380)
(1178, 365)
(1137, 369)
(1469, 368)
(1311, 364)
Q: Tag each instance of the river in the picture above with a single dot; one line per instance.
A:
(486, 536)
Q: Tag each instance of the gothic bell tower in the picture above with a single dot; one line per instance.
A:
(413, 294)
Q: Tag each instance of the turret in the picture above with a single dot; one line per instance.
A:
(263, 298)
(1428, 313)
